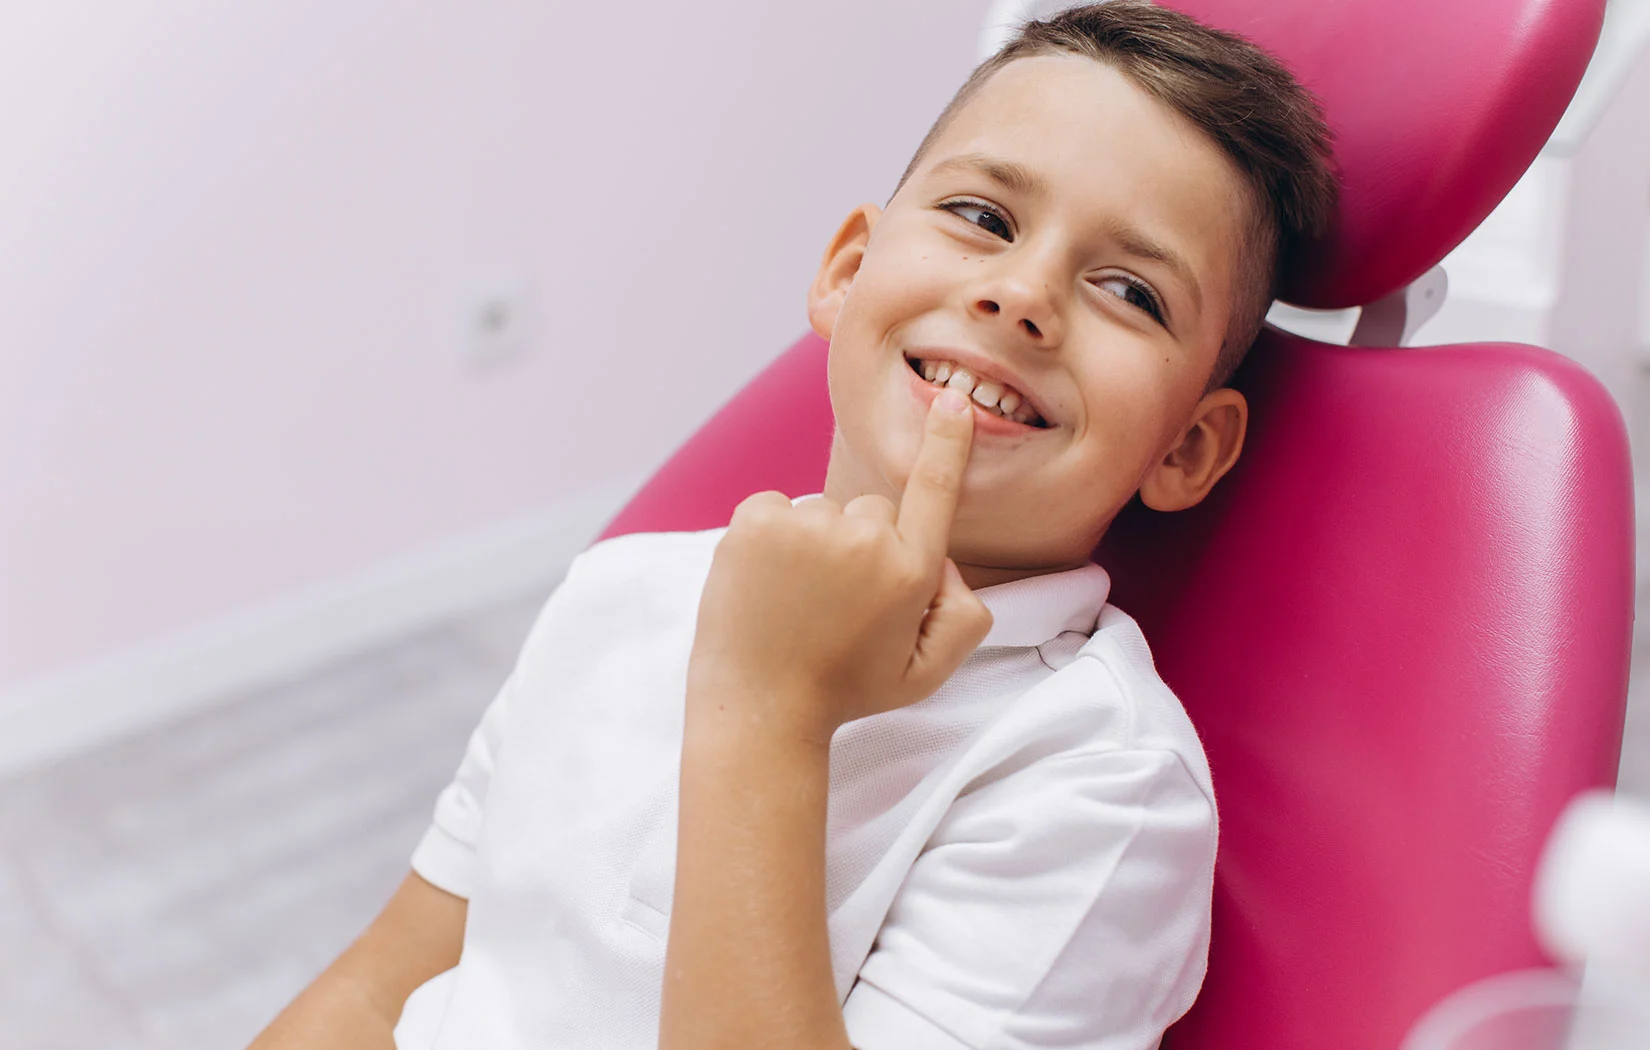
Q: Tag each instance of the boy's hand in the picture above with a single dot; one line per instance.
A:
(817, 614)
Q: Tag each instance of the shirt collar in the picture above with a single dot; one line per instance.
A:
(1033, 610)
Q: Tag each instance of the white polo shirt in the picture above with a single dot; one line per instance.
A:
(1023, 859)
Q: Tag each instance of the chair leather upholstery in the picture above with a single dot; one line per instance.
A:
(1402, 627)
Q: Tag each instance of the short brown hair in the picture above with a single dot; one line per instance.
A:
(1268, 125)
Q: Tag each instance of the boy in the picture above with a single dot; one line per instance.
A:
(881, 768)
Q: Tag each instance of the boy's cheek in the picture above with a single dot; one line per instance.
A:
(894, 445)
(898, 286)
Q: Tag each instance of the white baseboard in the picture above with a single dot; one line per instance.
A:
(65, 712)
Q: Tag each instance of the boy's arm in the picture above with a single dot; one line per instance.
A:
(813, 615)
(749, 960)
(356, 1001)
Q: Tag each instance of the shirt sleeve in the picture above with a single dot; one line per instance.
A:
(1064, 905)
(446, 856)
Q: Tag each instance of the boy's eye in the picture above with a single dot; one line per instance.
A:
(1135, 293)
(982, 215)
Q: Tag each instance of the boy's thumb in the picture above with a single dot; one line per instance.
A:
(956, 623)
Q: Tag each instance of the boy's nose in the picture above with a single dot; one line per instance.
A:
(1030, 313)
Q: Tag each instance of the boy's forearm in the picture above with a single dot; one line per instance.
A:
(356, 1001)
(333, 1013)
(749, 961)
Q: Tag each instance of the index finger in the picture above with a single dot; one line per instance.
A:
(930, 499)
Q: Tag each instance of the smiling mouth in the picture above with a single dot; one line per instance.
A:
(989, 394)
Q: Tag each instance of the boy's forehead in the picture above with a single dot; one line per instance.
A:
(1072, 111)
(1070, 90)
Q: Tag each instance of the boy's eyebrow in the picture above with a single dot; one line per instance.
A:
(1135, 242)
(1017, 178)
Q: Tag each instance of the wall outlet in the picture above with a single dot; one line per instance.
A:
(497, 323)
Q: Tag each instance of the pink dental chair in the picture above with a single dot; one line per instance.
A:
(1403, 624)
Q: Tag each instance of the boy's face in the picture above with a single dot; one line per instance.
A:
(1073, 240)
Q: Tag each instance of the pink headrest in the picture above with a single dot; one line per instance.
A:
(1437, 107)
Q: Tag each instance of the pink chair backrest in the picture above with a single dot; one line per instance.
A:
(1402, 625)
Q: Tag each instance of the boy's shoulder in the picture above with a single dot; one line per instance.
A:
(649, 546)
(639, 582)
(1120, 674)
(650, 558)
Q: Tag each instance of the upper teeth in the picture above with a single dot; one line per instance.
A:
(989, 394)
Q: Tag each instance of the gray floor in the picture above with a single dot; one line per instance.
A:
(176, 889)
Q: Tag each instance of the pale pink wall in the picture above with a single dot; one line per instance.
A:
(231, 238)
(1603, 268)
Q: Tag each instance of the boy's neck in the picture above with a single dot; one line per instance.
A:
(978, 576)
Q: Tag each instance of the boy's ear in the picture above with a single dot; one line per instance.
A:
(837, 269)
(1206, 451)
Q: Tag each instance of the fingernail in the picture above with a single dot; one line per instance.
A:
(952, 401)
